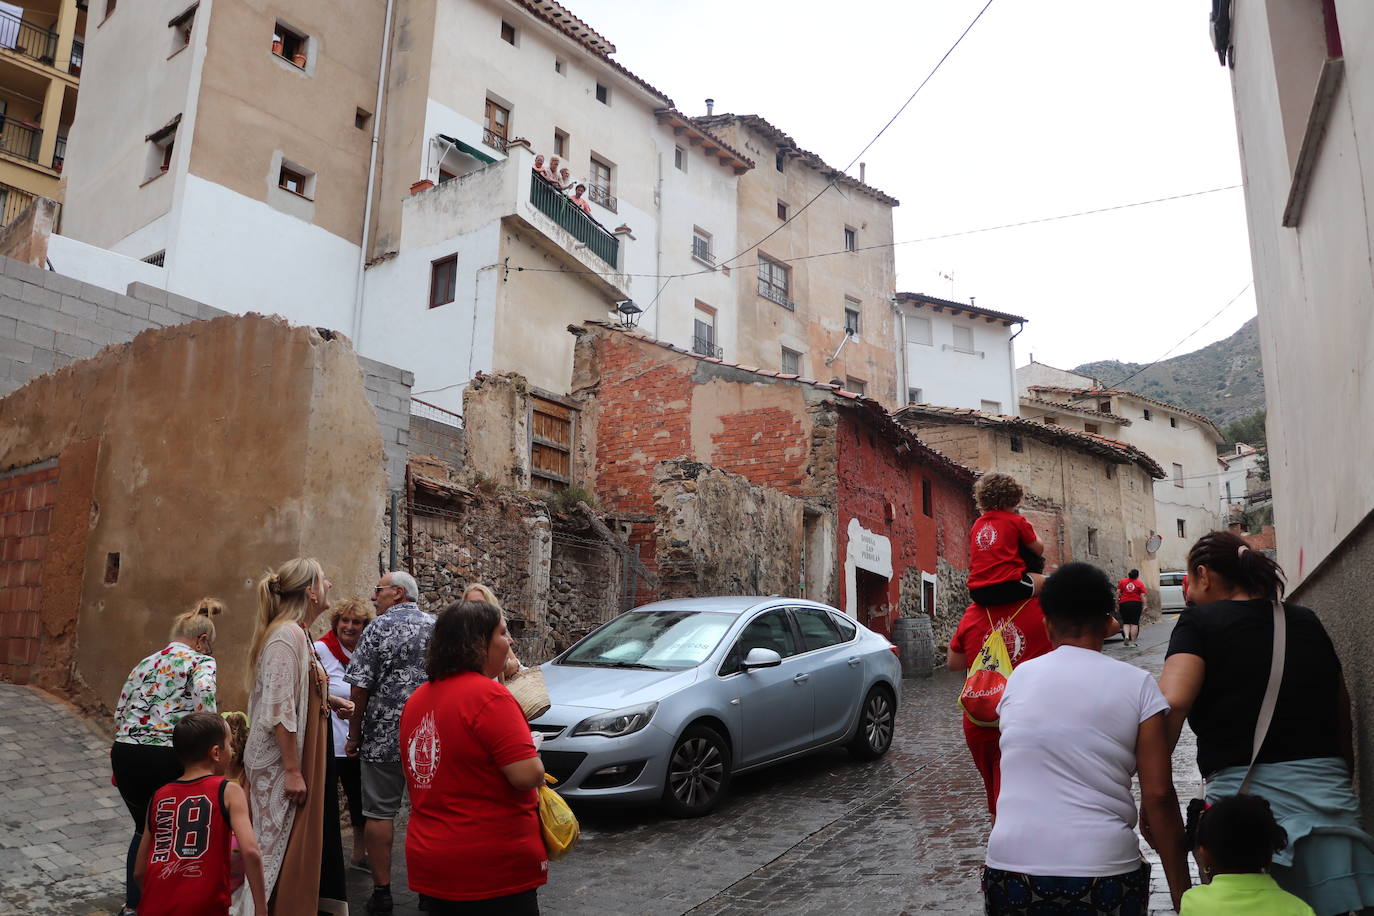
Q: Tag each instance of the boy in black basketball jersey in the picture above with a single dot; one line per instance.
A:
(183, 861)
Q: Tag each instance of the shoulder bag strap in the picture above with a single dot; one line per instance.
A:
(1271, 692)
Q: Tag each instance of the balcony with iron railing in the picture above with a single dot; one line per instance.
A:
(701, 250)
(556, 206)
(776, 294)
(509, 190)
(494, 140)
(705, 346)
(21, 37)
(19, 139)
(599, 195)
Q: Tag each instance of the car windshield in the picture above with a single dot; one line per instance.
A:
(661, 641)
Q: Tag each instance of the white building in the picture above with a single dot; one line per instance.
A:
(956, 354)
(1184, 443)
(254, 167)
(1303, 84)
(1238, 469)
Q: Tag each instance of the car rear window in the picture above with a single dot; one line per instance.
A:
(1171, 578)
(660, 641)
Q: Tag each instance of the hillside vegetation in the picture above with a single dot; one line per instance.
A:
(1223, 381)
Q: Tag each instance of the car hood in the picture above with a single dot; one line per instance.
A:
(610, 688)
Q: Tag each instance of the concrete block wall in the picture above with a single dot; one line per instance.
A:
(48, 320)
(430, 437)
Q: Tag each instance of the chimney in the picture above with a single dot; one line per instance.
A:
(710, 106)
(863, 166)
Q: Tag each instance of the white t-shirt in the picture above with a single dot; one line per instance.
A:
(338, 687)
(1069, 723)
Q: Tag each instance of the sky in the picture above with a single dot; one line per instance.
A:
(1046, 108)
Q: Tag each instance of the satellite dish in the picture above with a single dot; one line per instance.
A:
(1153, 544)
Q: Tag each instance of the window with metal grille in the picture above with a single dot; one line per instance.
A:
(599, 188)
(701, 246)
(704, 331)
(775, 282)
(496, 126)
(551, 436)
(443, 281)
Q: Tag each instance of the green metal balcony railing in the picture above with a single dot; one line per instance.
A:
(551, 202)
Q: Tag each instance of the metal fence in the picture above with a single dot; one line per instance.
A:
(551, 202)
(20, 140)
(419, 408)
(26, 38)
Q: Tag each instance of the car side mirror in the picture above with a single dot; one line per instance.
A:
(761, 658)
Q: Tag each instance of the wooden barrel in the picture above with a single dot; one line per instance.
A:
(915, 642)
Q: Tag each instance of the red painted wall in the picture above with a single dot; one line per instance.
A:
(884, 492)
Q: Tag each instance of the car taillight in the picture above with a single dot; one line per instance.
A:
(895, 651)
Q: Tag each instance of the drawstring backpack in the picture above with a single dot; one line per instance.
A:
(987, 677)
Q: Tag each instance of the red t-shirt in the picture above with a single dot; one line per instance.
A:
(993, 545)
(1129, 589)
(188, 850)
(471, 835)
(1023, 631)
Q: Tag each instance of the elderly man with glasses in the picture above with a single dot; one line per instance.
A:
(387, 666)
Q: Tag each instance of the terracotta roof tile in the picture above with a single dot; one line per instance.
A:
(1124, 452)
(1073, 408)
(680, 122)
(1125, 392)
(558, 16)
(923, 299)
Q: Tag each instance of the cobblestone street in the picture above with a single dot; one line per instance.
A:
(824, 834)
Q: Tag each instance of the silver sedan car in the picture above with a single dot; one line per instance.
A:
(666, 702)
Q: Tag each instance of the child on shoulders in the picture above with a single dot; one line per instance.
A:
(1237, 837)
(1006, 556)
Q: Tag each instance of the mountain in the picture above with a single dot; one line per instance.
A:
(1223, 381)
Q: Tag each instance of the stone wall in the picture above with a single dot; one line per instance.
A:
(719, 534)
(951, 600)
(179, 475)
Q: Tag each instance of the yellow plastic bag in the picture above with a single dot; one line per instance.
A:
(557, 821)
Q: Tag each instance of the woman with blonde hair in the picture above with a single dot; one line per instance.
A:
(162, 688)
(284, 760)
(335, 649)
(476, 591)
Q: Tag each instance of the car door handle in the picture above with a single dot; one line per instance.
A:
(800, 678)
(854, 661)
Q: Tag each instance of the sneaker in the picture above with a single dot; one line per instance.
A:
(380, 902)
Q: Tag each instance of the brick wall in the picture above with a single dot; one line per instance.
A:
(49, 320)
(26, 506)
(767, 445)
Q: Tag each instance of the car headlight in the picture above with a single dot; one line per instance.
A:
(616, 723)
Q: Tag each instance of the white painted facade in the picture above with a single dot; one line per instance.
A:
(1314, 272)
(101, 267)
(1233, 480)
(957, 355)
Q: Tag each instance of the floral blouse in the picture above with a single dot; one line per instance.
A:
(160, 690)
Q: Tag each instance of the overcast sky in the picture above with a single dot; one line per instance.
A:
(1047, 107)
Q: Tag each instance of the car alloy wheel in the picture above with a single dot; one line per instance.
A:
(698, 773)
(874, 734)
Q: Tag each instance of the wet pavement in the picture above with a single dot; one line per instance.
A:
(824, 834)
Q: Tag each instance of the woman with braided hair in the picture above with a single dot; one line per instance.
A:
(1215, 676)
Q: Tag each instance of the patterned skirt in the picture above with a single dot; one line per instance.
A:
(1007, 893)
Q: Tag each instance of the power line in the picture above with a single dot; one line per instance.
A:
(915, 241)
(1186, 338)
(836, 177)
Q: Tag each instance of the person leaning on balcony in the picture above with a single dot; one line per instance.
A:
(541, 169)
(581, 201)
(565, 181)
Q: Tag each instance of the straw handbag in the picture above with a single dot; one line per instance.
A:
(527, 686)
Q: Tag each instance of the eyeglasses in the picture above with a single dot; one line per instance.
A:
(378, 588)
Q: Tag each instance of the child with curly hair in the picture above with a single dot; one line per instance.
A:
(1006, 556)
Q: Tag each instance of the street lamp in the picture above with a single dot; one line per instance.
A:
(629, 312)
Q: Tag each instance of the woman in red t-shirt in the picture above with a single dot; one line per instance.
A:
(472, 771)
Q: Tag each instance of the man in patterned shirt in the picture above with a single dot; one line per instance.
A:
(387, 666)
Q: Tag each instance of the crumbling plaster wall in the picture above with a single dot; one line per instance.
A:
(200, 476)
(496, 417)
(719, 534)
